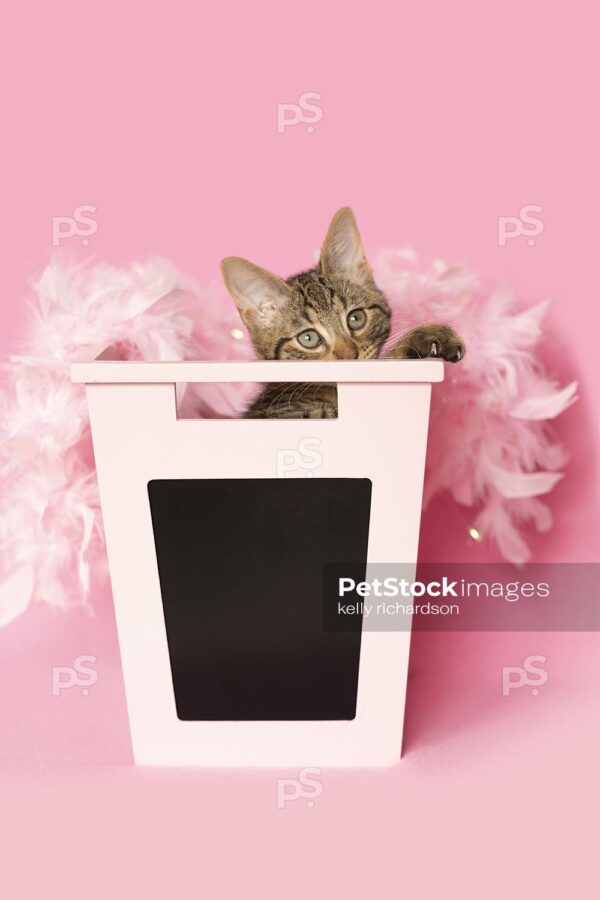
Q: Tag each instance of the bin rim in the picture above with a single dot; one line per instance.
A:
(107, 371)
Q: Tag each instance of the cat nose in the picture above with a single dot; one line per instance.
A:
(345, 350)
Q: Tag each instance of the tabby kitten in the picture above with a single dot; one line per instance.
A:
(334, 311)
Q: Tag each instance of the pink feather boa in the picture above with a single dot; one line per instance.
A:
(489, 444)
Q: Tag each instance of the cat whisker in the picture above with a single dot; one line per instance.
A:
(407, 347)
(397, 335)
(278, 394)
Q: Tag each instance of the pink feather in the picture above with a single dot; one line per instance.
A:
(489, 446)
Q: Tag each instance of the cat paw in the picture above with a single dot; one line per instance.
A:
(431, 341)
(448, 346)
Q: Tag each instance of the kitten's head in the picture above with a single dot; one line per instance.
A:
(334, 311)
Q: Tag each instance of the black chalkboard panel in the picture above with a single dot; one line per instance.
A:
(241, 572)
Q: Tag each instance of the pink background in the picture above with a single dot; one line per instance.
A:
(437, 119)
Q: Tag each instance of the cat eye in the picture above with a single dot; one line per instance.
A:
(356, 319)
(309, 338)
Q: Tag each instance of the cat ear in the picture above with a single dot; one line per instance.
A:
(258, 295)
(343, 252)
